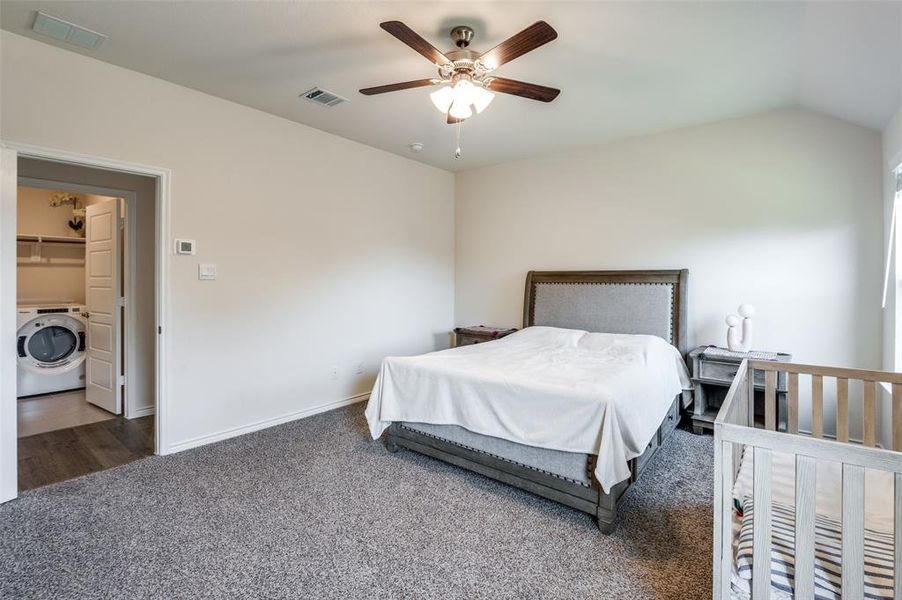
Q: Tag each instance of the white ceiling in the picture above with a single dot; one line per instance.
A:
(625, 68)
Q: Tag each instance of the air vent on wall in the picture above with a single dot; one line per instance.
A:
(65, 31)
(323, 97)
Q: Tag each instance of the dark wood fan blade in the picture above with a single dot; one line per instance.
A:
(413, 39)
(394, 87)
(537, 34)
(521, 88)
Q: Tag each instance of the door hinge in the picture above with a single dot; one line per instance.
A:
(122, 380)
(159, 330)
(121, 222)
(120, 302)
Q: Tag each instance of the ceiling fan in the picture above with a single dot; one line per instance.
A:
(466, 76)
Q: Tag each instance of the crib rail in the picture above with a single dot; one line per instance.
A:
(736, 428)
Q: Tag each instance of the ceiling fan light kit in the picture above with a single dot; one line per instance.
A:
(461, 98)
(465, 75)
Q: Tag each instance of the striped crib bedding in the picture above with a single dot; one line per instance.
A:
(878, 556)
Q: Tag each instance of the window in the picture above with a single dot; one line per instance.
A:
(891, 241)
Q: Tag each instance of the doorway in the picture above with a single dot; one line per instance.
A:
(87, 307)
(51, 318)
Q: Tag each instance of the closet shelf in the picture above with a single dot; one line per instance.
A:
(51, 262)
(49, 239)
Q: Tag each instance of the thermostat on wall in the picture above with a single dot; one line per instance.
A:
(185, 246)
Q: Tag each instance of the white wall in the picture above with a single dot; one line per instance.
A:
(333, 253)
(782, 210)
(892, 140)
(329, 252)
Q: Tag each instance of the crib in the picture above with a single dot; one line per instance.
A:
(771, 538)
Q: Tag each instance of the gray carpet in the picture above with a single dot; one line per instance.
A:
(315, 509)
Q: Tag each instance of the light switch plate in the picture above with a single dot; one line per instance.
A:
(206, 271)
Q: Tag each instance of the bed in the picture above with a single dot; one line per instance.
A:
(568, 316)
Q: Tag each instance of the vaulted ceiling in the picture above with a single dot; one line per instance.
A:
(624, 68)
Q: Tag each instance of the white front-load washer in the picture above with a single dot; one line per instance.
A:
(50, 345)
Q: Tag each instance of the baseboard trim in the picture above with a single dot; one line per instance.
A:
(203, 440)
(144, 411)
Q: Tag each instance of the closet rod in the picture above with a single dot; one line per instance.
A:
(49, 239)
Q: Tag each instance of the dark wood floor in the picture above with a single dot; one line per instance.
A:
(66, 453)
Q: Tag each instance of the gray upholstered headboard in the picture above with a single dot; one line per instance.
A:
(649, 302)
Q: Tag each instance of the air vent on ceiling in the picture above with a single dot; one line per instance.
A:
(323, 97)
(65, 31)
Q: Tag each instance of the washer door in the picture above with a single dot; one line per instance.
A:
(53, 342)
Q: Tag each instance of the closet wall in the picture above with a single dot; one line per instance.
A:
(60, 274)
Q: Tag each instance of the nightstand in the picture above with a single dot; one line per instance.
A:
(465, 336)
(713, 370)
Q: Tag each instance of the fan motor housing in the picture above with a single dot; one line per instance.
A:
(462, 56)
(463, 63)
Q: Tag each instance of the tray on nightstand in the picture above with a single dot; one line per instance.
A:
(464, 336)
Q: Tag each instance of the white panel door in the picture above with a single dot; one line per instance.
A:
(102, 295)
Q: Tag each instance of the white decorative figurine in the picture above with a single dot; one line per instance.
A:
(734, 341)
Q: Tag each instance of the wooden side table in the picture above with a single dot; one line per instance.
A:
(713, 370)
(465, 336)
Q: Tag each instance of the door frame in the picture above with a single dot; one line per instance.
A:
(130, 265)
(8, 438)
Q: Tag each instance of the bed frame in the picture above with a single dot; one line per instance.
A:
(640, 302)
(736, 431)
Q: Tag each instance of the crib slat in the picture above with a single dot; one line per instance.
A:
(817, 406)
(793, 403)
(897, 539)
(750, 402)
(842, 409)
(761, 525)
(852, 531)
(770, 400)
(870, 420)
(726, 522)
(806, 474)
(897, 416)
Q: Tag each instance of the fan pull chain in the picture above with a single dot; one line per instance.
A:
(457, 151)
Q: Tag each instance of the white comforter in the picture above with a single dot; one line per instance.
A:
(561, 389)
